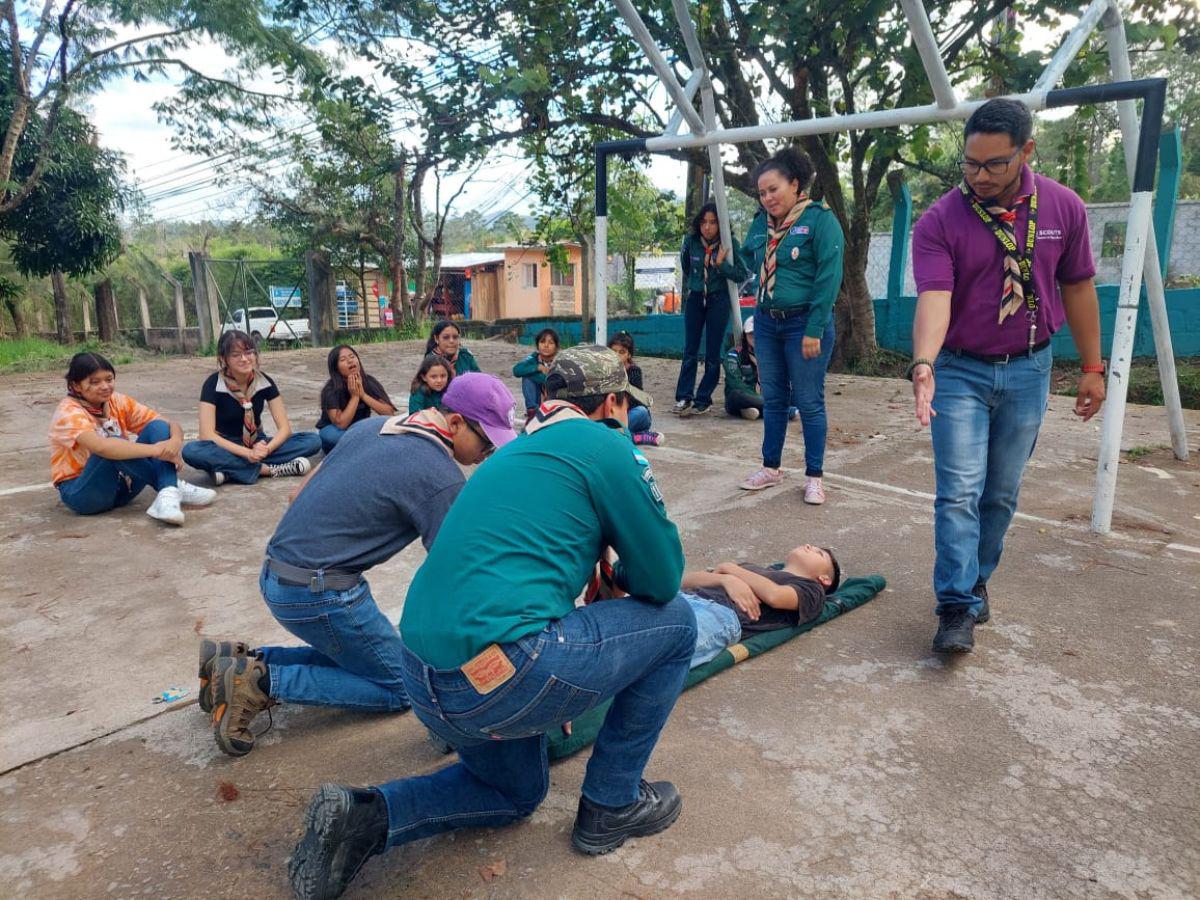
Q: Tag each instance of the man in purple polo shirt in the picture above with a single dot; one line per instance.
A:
(1000, 263)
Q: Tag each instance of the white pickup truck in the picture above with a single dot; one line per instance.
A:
(266, 325)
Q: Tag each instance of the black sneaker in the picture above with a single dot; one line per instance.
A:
(343, 828)
(602, 829)
(699, 410)
(985, 613)
(956, 632)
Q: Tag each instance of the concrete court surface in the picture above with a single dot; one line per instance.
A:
(1060, 759)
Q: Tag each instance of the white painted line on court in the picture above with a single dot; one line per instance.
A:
(4, 492)
(1185, 548)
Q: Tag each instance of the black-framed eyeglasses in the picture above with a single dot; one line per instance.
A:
(488, 446)
(993, 166)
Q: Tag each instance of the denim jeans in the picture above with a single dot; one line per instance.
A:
(531, 392)
(635, 652)
(353, 657)
(707, 314)
(788, 379)
(207, 456)
(639, 420)
(986, 427)
(330, 434)
(717, 627)
(105, 484)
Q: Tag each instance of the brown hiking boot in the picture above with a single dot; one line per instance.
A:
(209, 651)
(237, 699)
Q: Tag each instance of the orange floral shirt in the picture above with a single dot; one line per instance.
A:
(126, 419)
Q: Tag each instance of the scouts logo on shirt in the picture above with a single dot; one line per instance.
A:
(109, 428)
(648, 477)
(795, 253)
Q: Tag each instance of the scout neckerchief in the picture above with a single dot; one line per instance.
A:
(775, 234)
(244, 397)
(710, 253)
(551, 413)
(430, 424)
(105, 424)
(1018, 288)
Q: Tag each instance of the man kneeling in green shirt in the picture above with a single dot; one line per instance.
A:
(496, 654)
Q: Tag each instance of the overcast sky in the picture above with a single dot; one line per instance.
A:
(126, 122)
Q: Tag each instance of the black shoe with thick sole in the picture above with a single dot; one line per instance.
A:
(985, 612)
(602, 829)
(343, 828)
(956, 632)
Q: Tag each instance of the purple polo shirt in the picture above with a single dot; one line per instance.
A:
(953, 250)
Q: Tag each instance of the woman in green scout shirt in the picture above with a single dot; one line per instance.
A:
(444, 341)
(706, 266)
(796, 247)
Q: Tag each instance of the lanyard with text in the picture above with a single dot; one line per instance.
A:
(1025, 260)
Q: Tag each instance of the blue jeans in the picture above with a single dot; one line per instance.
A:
(707, 314)
(986, 427)
(105, 484)
(639, 420)
(637, 653)
(207, 456)
(788, 379)
(531, 392)
(353, 657)
(717, 627)
(330, 434)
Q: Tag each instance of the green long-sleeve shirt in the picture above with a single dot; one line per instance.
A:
(465, 362)
(741, 376)
(697, 278)
(521, 540)
(808, 264)
(528, 368)
(424, 398)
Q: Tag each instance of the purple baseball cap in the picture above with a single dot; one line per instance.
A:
(485, 400)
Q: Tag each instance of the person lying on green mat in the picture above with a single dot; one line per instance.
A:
(733, 599)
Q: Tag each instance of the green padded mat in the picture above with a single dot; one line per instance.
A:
(853, 593)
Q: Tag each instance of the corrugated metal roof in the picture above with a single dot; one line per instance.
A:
(467, 260)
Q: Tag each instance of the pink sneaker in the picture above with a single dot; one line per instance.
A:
(814, 492)
(763, 478)
(649, 439)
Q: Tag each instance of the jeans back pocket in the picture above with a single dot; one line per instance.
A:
(558, 701)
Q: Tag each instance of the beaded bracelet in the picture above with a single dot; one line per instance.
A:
(919, 361)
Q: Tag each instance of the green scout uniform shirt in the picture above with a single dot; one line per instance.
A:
(528, 368)
(741, 377)
(423, 398)
(465, 362)
(706, 281)
(808, 264)
(523, 537)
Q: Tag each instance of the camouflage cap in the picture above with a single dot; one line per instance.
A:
(587, 370)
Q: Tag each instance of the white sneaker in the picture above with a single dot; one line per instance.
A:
(298, 466)
(814, 492)
(165, 507)
(218, 478)
(193, 495)
(750, 413)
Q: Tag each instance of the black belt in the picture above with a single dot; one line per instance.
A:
(316, 580)
(1002, 358)
(789, 312)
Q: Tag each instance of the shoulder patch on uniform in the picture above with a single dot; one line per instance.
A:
(639, 459)
(799, 229)
(648, 477)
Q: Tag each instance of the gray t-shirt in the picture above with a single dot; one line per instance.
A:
(373, 496)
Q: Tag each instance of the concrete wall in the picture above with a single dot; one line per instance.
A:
(893, 324)
(1185, 248)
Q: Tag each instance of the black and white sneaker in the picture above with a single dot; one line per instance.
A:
(682, 408)
(298, 466)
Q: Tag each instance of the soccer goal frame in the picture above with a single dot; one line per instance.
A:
(1140, 138)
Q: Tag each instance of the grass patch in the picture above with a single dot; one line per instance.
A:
(1144, 386)
(1139, 452)
(34, 354)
